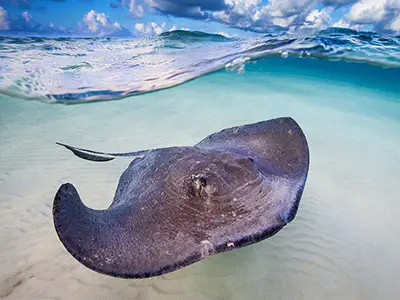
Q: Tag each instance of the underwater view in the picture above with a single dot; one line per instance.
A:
(174, 88)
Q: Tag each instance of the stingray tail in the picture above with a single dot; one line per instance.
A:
(101, 156)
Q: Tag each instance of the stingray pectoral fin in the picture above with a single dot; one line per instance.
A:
(115, 241)
(279, 145)
(100, 156)
(93, 237)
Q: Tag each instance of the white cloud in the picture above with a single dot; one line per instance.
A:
(282, 22)
(241, 13)
(289, 14)
(288, 8)
(263, 16)
(382, 14)
(246, 14)
(158, 29)
(139, 27)
(254, 15)
(136, 9)
(152, 28)
(318, 19)
(99, 24)
(27, 23)
(27, 16)
(367, 11)
(243, 7)
(342, 23)
(4, 23)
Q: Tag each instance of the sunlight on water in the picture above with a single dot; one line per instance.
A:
(342, 244)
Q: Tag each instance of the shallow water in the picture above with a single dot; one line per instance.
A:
(342, 244)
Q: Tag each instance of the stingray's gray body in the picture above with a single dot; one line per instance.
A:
(174, 206)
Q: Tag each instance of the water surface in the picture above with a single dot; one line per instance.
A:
(76, 70)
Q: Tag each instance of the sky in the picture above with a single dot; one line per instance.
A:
(126, 18)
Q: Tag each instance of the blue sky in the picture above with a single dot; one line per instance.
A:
(230, 17)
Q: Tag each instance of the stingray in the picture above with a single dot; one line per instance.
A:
(177, 205)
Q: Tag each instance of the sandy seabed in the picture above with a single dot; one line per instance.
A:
(343, 244)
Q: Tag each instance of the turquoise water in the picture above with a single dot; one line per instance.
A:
(342, 244)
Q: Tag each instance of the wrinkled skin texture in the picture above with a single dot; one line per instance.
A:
(174, 206)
